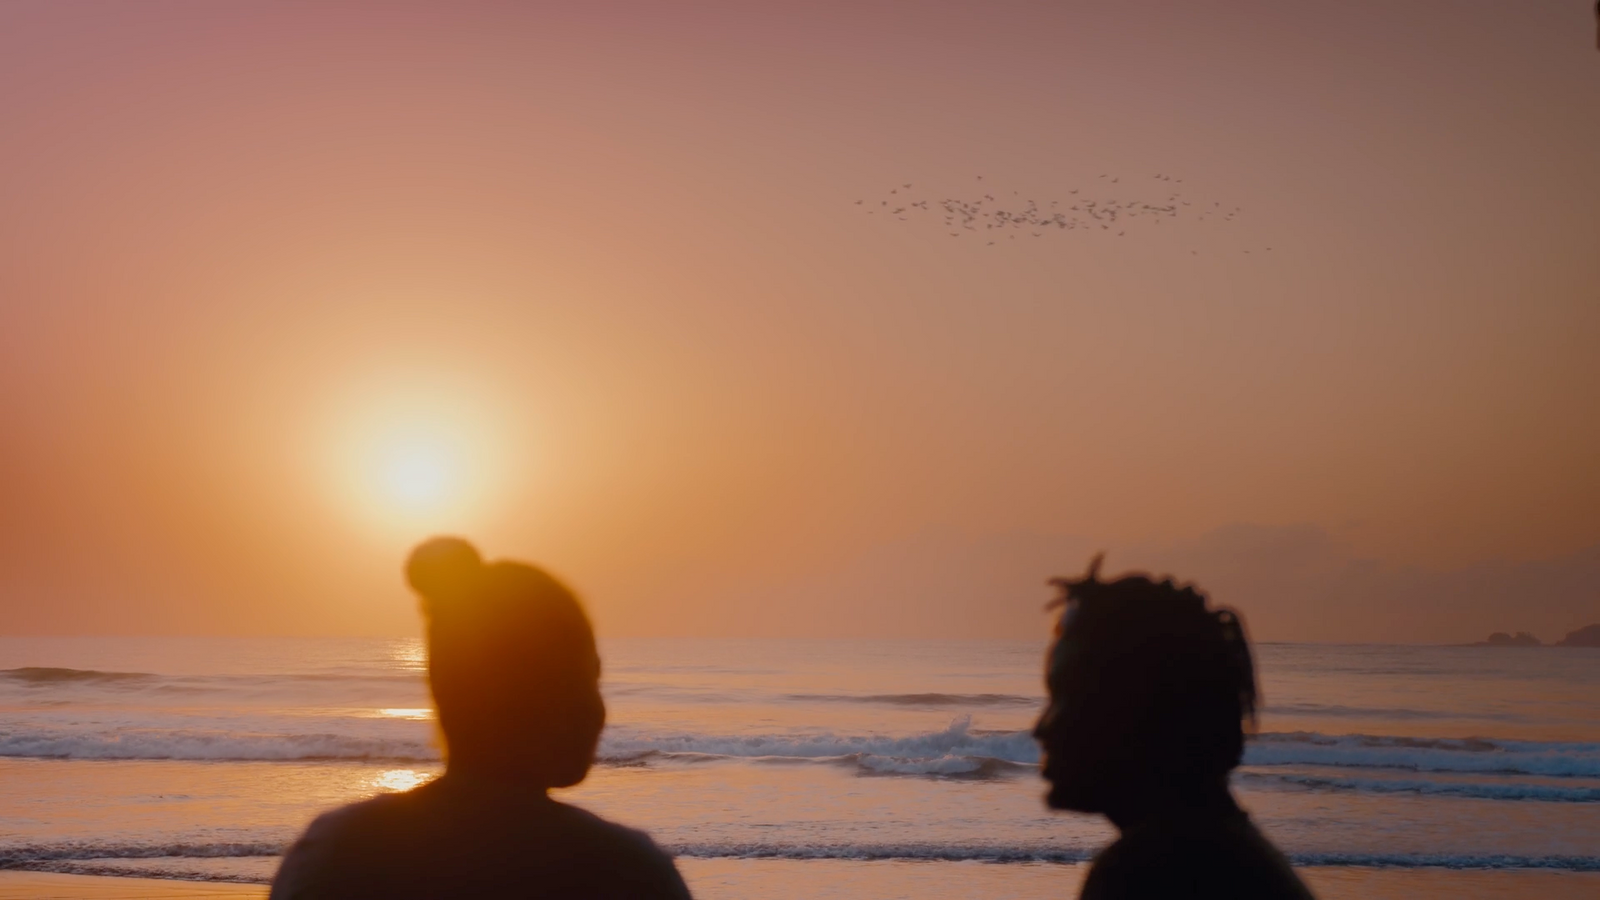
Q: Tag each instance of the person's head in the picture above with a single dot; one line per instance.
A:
(512, 663)
(1148, 692)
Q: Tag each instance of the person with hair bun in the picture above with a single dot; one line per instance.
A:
(516, 680)
(1148, 692)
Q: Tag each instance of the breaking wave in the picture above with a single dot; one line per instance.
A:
(957, 751)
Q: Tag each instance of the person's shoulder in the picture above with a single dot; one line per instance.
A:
(1137, 864)
(576, 820)
(647, 870)
(338, 843)
(360, 819)
(1228, 859)
(1272, 875)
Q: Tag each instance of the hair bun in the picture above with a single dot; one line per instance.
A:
(441, 568)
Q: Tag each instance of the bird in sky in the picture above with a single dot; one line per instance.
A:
(1040, 215)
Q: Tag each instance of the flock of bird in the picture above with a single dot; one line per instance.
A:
(992, 219)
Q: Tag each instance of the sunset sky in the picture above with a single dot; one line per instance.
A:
(285, 287)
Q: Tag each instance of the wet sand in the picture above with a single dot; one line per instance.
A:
(726, 879)
(50, 886)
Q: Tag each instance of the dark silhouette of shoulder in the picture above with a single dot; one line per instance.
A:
(1176, 858)
(457, 837)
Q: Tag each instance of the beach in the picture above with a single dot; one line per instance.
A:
(788, 769)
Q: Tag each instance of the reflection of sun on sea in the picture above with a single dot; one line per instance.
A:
(400, 779)
(406, 712)
(408, 654)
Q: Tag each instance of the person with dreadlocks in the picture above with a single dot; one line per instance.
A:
(516, 680)
(1149, 689)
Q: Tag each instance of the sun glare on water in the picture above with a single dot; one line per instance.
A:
(401, 779)
(406, 712)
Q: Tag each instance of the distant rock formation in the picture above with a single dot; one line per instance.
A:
(1501, 639)
(1588, 636)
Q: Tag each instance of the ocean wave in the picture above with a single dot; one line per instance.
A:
(47, 675)
(871, 852)
(956, 750)
(1553, 793)
(1339, 711)
(173, 868)
(21, 855)
(1554, 758)
(954, 766)
(921, 699)
(1002, 854)
(56, 675)
(210, 745)
(1448, 861)
(73, 855)
(968, 767)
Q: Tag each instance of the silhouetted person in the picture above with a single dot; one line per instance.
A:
(516, 679)
(1148, 690)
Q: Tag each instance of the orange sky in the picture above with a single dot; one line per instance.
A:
(613, 250)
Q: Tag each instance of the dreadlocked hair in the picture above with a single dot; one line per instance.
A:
(1164, 660)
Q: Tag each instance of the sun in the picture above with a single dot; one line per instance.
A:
(419, 472)
(411, 459)
(422, 470)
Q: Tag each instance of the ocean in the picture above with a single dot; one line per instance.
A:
(787, 769)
